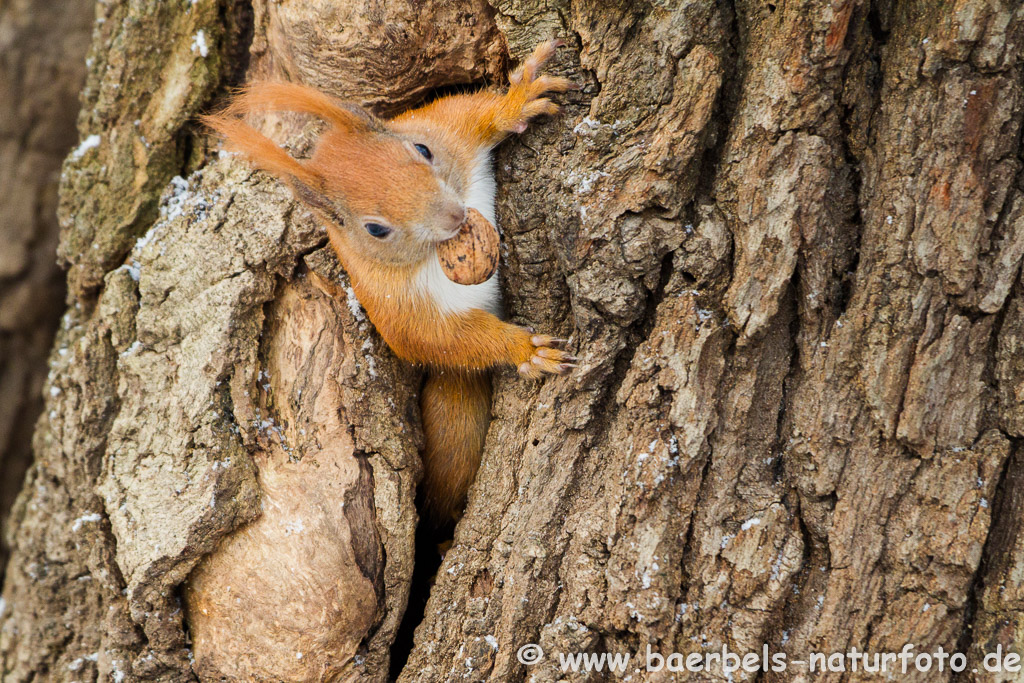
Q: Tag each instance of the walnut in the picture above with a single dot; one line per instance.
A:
(471, 257)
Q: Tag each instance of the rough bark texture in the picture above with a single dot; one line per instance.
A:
(39, 82)
(784, 239)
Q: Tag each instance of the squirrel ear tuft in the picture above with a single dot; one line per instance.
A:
(275, 96)
(263, 152)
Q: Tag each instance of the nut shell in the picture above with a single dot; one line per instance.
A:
(471, 257)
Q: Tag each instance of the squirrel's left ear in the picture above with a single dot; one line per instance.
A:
(371, 122)
(265, 154)
(315, 199)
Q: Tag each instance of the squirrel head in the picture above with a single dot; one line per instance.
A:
(387, 192)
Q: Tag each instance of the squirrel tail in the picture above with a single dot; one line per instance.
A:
(456, 408)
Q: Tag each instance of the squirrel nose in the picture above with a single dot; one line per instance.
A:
(456, 216)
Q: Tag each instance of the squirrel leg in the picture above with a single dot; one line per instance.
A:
(473, 341)
(483, 119)
(456, 409)
(524, 100)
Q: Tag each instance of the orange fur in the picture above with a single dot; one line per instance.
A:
(362, 171)
(367, 170)
(376, 178)
(483, 119)
(456, 408)
(273, 96)
(263, 152)
(418, 331)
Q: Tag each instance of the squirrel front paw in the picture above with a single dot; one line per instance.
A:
(545, 358)
(526, 87)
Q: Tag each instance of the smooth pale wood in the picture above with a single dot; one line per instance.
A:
(471, 257)
(293, 594)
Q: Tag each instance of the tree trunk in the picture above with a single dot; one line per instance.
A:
(39, 82)
(784, 239)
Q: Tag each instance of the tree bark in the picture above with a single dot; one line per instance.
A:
(40, 78)
(784, 240)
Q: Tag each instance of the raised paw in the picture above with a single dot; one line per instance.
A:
(524, 99)
(546, 358)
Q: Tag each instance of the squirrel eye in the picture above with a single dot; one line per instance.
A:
(425, 151)
(378, 230)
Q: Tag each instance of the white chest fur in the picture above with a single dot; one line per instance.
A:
(454, 298)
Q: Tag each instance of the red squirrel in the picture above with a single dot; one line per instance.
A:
(388, 192)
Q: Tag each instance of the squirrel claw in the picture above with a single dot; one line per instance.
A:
(556, 354)
(547, 340)
(525, 99)
(546, 359)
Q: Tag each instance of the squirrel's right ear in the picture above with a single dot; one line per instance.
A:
(274, 96)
